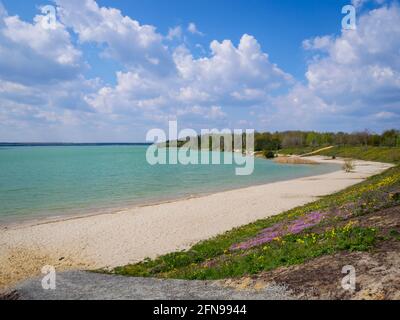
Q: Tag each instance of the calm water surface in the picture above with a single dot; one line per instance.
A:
(59, 180)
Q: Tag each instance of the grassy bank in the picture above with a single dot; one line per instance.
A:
(324, 227)
(380, 154)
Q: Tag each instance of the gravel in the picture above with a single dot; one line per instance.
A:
(80, 285)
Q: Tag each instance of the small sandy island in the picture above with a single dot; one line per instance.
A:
(111, 240)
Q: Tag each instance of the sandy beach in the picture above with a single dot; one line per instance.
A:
(110, 240)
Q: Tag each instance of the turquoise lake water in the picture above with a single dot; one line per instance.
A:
(52, 181)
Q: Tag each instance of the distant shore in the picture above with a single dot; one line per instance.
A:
(70, 144)
(131, 235)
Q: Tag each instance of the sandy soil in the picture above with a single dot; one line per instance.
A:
(294, 160)
(111, 240)
(377, 271)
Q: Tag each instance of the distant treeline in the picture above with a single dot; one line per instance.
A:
(294, 139)
(267, 141)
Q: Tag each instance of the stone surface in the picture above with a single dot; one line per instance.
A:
(79, 285)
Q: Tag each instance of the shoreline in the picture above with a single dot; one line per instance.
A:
(131, 235)
(74, 214)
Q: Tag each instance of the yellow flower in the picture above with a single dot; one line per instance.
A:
(348, 226)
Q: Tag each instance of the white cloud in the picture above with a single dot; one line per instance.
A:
(362, 63)
(230, 76)
(192, 28)
(386, 115)
(355, 75)
(136, 46)
(40, 77)
(132, 93)
(192, 94)
(209, 113)
(352, 80)
(360, 3)
(199, 89)
(30, 53)
(231, 69)
(175, 33)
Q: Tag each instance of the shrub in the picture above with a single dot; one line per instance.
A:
(348, 165)
(269, 154)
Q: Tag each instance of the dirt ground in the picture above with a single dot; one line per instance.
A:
(14, 267)
(377, 271)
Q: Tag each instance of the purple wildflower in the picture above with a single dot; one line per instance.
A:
(281, 230)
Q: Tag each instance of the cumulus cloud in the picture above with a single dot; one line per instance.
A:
(231, 72)
(37, 113)
(198, 89)
(352, 80)
(134, 45)
(30, 53)
(231, 76)
(359, 71)
(41, 80)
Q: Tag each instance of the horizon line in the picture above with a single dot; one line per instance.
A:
(75, 143)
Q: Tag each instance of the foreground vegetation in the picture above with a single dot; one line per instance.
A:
(324, 227)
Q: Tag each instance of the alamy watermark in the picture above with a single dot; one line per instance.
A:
(49, 280)
(349, 21)
(49, 18)
(349, 281)
(216, 146)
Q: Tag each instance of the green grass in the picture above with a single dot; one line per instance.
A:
(288, 251)
(298, 150)
(214, 259)
(380, 154)
(394, 234)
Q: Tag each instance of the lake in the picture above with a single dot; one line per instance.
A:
(54, 181)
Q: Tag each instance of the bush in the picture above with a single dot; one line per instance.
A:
(269, 154)
(348, 165)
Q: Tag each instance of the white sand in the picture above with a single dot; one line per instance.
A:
(110, 240)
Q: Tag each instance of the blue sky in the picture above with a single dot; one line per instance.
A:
(112, 70)
(279, 26)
